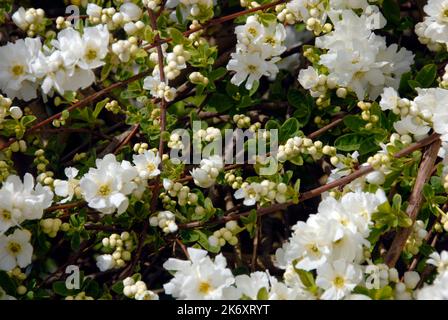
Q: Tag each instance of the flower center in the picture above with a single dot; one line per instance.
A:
(270, 40)
(339, 282)
(252, 68)
(91, 54)
(6, 215)
(18, 70)
(104, 190)
(253, 32)
(14, 247)
(151, 167)
(204, 287)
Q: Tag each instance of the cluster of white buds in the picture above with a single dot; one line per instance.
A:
(195, 37)
(140, 148)
(175, 142)
(113, 107)
(225, 235)
(61, 23)
(32, 20)
(18, 146)
(263, 192)
(208, 135)
(197, 8)
(40, 160)
(137, 290)
(165, 220)
(51, 226)
(380, 275)
(17, 273)
(233, 180)
(366, 114)
(179, 191)
(404, 290)
(80, 296)
(128, 12)
(125, 49)
(242, 121)
(152, 4)
(121, 247)
(255, 127)
(403, 138)
(5, 104)
(198, 78)
(133, 28)
(175, 62)
(380, 161)
(312, 13)
(415, 239)
(298, 145)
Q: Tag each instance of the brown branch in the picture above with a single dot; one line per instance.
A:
(415, 202)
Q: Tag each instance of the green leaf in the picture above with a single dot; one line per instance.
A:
(354, 122)
(220, 102)
(391, 11)
(349, 142)
(118, 287)
(289, 129)
(99, 106)
(60, 288)
(427, 75)
(306, 277)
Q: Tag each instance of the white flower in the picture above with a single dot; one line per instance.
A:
(338, 279)
(248, 286)
(16, 77)
(147, 164)
(205, 176)
(105, 262)
(105, 188)
(95, 47)
(94, 10)
(131, 11)
(438, 290)
(199, 277)
(146, 295)
(250, 193)
(439, 260)
(308, 78)
(15, 250)
(389, 99)
(67, 188)
(248, 66)
(435, 25)
(20, 201)
(19, 18)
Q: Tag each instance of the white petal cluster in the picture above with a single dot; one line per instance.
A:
(262, 192)
(433, 30)
(356, 59)
(257, 51)
(333, 242)
(127, 14)
(205, 176)
(67, 188)
(199, 278)
(137, 290)
(67, 66)
(426, 111)
(29, 20)
(20, 201)
(120, 246)
(438, 290)
(15, 249)
(106, 188)
(165, 220)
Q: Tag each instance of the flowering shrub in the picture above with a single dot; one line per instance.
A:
(207, 149)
